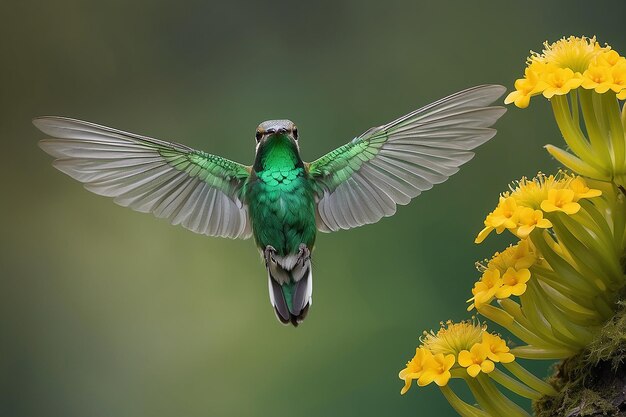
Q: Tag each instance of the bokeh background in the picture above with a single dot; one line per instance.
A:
(108, 312)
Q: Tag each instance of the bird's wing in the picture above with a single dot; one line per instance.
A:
(363, 181)
(188, 187)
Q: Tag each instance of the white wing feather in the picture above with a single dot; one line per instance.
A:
(134, 171)
(391, 164)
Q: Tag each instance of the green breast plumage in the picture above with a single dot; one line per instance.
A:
(280, 199)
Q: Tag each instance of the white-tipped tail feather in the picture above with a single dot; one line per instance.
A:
(290, 282)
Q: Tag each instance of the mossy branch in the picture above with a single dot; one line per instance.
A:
(592, 383)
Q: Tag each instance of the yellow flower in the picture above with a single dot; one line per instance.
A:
(557, 69)
(518, 256)
(437, 369)
(560, 200)
(518, 209)
(526, 87)
(618, 74)
(506, 274)
(503, 217)
(453, 337)
(579, 186)
(598, 78)
(532, 192)
(528, 219)
(574, 53)
(414, 368)
(616, 65)
(560, 81)
(497, 350)
(609, 58)
(513, 283)
(475, 360)
(485, 289)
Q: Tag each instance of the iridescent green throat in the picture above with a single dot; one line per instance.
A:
(277, 152)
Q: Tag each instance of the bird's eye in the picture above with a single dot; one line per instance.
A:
(259, 135)
(295, 133)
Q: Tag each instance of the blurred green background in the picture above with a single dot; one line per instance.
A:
(108, 312)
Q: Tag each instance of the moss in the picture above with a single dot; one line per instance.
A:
(592, 383)
(610, 344)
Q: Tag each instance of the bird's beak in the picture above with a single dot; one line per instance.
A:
(278, 132)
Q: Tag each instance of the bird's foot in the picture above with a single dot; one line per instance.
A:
(304, 254)
(268, 254)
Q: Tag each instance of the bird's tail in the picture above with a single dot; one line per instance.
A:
(291, 287)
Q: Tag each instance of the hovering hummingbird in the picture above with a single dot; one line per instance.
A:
(280, 200)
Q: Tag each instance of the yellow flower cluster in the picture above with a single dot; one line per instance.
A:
(568, 248)
(522, 209)
(567, 64)
(559, 284)
(506, 274)
(467, 344)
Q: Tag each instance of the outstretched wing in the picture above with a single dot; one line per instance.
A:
(363, 181)
(188, 187)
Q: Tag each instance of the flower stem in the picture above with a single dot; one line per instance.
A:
(529, 379)
(616, 129)
(460, 406)
(514, 385)
(524, 333)
(541, 353)
(563, 329)
(551, 278)
(503, 404)
(567, 304)
(571, 133)
(593, 258)
(590, 216)
(594, 129)
(574, 106)
(561, 266)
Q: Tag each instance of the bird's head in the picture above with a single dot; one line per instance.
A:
(276, 129)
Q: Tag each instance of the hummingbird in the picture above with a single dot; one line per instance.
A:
(280, 200)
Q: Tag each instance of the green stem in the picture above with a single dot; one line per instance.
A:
(601, 117)
(514, 385)
(551, 278)
(616, 129)
(460, 406)
(481, 397)
(562, 267)
(594, 129)
(567, 304)
(506, 406)
(593, 259)
(524, 333)
(591, 215)
(604, 307)
(618, 213)
(559, 323)
(571, 133)
(529, 379)
(574, 107)
(541, 353)
(540, 324)
(515, 310)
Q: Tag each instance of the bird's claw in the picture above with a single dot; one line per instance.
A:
(304, 254)
(268, 254)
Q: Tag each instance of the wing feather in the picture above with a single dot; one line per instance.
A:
(202, 192)
(363, 181)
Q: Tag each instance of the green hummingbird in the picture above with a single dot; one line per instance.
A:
(280, 200)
